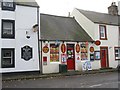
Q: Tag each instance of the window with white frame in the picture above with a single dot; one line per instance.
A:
(102, 30)
(8, 29)
(7, 58)
(117, 53)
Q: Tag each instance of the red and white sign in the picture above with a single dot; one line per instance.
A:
(63, 48)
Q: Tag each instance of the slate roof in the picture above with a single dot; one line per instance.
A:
(102, 18)
(61, 28)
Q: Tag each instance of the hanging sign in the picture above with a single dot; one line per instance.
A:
(91, 49)
(77, 48)
(63, 48)
(45, 49)
(97, 42)
(26, 53)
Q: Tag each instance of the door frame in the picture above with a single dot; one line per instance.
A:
(107, 57)
(73, 52)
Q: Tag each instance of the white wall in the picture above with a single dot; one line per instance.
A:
(53, 67)
(93, 30)
(25, 18)
(119, 7)
(84, 22)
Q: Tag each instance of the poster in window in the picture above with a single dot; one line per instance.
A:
(92, 57)
(54, 53)
(97, 55)
(84, 52)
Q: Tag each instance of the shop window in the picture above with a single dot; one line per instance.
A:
(7, 59)
(103, 34)
(10, 6)
(8, 29)
(117, 53)
(84, 52)
(54, 53)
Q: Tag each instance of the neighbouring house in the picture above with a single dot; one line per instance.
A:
(105, 29)
(63, 41)
(19, 21)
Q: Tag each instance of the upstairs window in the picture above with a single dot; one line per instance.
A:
(103, 34)
(8, 29)
(119, 34)
(117, 53)
(10, 6)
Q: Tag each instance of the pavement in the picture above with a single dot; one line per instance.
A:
(36, 75)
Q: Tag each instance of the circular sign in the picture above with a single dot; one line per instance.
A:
(77, 48)
(63, 48)
(91, 49)
(97, 42)
(45, 49)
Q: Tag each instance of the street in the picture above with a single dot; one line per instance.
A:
(99, 80)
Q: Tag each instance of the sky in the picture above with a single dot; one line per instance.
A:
(63, 7)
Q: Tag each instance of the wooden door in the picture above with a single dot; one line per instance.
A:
(104, 57)
(70, 57)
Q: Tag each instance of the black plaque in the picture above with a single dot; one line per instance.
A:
(26, 53)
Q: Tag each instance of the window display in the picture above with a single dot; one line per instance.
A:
(54, 53)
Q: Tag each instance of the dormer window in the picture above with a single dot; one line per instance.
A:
(10, 6)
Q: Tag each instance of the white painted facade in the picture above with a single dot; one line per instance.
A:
(25, 18)
(119, 7)
(93, 30)
(53, 67)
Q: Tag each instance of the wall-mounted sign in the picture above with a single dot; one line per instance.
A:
(77, 57)
(77, 48)
(97, 42)
(26, 53)
(45, 49)
(91, 49)
(64, 58)
(86, 65)
(63, 48)
(44, 60)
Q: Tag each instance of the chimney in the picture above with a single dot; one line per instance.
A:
(113, 9)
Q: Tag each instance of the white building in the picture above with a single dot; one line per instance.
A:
(105, 28)
(18, 37)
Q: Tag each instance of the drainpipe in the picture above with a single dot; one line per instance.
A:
(38, 33)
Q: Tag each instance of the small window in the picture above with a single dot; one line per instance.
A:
(8, 29)
(10, 6)
(103, 35)
(117, 53)
(119, 33)
(54, 53)
(7, 60)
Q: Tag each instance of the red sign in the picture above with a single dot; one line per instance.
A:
(91, 49)
(77, 48)
(45, 49)
(97, 42)
(63, 48)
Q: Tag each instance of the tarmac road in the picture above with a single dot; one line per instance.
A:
(99, 80)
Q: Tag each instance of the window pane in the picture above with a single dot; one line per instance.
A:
(117, 53)
(102, 32)
(7, 28)
(54, 53)
(7, 58)
(8, 4)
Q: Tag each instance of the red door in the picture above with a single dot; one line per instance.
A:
(70, 57)
(104, 58)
